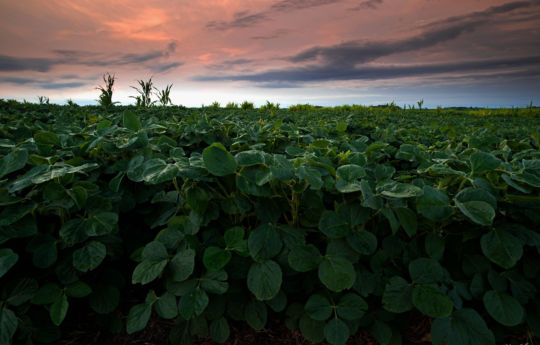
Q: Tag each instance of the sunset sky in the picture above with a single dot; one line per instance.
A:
(323, 52)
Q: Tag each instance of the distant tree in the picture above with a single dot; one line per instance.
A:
(43, 99)
(247, 105)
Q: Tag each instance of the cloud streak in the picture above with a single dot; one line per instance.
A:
(245, 19)
(332, 73)
(85, 58)
(354, 52)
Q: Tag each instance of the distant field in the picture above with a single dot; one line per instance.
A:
(334, 221)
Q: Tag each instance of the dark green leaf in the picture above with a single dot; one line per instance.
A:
(434, 204)
(337, 273)
(131, 121)
(483, 161)
(182, 264)
(318, 307)
(336, 332)
(166, 306)
(8, 325)
(304, 258)
(332, 225)
(463, 327)
(59, 310)
(504, 308)
(256, 315)
(264, 242)
(502, 248)
(351, 307)
(363, 242)
(397, 296)
(138, 317)
(218, 161)
(249, 158)
(193, 303)
(402, 190)
(312, 330)
(431, 301)
(219, 330)
(407, 219)
(215, 258)
(434, 245)
(264, 279)
(8, 259)
(13, 161)
(90, 256)
(425, 271)
(78, 289)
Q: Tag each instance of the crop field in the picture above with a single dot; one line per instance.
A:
(334, 221)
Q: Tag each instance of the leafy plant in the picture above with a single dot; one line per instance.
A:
(105, 98)
(232, 105)
(43, 100)
(361, 219)
(270, 106)
(145, 93)
(247, 105)
(164, 95)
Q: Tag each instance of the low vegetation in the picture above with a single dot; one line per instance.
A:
(333, 220)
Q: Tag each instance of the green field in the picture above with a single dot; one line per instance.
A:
(333, 220)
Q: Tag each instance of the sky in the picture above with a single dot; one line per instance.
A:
(321, 52)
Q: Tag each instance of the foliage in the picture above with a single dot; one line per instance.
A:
(270, 106)
(163, 95)
(43, 99)
(105, 98)
(145, 93)
(232, 105)
(333, 220)
(247, 105)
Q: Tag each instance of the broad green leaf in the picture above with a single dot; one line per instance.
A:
(397, 296)
(502, 248)
(58, 310)
(215, 258)
(193, 303)
(407, 219)
(166, 306)
(479, 212)
(434, 204)
(218, 161)
(304, 258)
(13, 161)
(78, 289)
(425, 271)
(483, 161)
(347, 178)
(104, 299)
(463, 327)
(47, 294)
(434, 245)
(155, 259)
(234, 238)
(264, 279)
(8, 325)
(264, 242)
(182, 264)
(402, 190)
(219, 330)
(131, 121)
(504, 308)
(47, 138)
(249, 158)
(336, 332)
(11, 214)
(90, 256)
(21, 292)
(138, 317)
(312, 330)
(318, 307)
(430, 301)
(332, 225)
(278, 303)
(351, 307)
(381, 332)
(8, 259)
(256, 315)
(354, 214)
(215, 282)
(337, 273)
(197, 199)
(363, 242)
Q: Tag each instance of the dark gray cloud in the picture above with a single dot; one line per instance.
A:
(228, 64)
(241, 20)
(366, 5)
(57, 86)
(40, 83)
(306, 74)
(166, 67)
(354, 52)
(276, 34)
(246, 19)
(85, 58)
(11, 63)
(290, 5)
